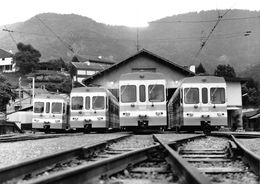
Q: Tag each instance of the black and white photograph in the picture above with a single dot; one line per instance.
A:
(130, 92)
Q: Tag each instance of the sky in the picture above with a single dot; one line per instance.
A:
(132, 13)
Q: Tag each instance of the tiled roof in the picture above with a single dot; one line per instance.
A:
(5, 54)
(94, 59)
(89, 66)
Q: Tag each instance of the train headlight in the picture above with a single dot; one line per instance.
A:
(126, 113)
(220, 114)
(100, 118)
(159, 113)
(189, 114)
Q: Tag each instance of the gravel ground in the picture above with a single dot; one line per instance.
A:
(208, 143)
(15, 152)
(134, 142)
(252, 144)
(169, 137)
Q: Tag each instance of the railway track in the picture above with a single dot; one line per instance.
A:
(25, 137)
(222, 160)
(102, 163)
(117, 161)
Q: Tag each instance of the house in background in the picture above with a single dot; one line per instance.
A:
(6, 62)
(86, 67)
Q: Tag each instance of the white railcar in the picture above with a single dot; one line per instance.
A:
(93, 108)
(199, 103)
(50, 112)
(142, 101)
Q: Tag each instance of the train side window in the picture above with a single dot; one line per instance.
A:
(191, 95)
(204, 95)
(128, 93)
(142, 93)
(87, 103)
(77, 103)
(38, 107)
(48, 107)
(217, 95)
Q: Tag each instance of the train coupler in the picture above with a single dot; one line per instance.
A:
(206, 127)
(143, 124)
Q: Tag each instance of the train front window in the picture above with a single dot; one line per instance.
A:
(38, 107)
(87, 103)
(217, 95)
(128, 93)
(156, 93)
(56, 108)
(98, 102)
(77, 103)
(142, 93)
(204, 95)
(191, 95)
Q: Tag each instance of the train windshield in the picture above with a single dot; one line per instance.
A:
(56, 108)
(191, 95)
(98, 102)
(128, 93)
(217, 95)
(77, 103)
(156, 93)
(38, 107)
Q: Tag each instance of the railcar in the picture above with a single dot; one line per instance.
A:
(93, 108)
(50, 112)
(142, 101)
(199, 103)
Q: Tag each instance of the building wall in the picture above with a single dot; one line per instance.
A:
(234, 94)
(110, 79)
(234, 104)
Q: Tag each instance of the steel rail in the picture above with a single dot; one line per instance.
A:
(236, 134)
(248, 156)
(188, 173)
(93, 172)
(21, 169)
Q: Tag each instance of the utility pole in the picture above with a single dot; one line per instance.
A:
(137, 39)
(33, 86)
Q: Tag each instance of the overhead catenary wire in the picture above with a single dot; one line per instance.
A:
(220, 17)
(59, 38)
(9, 32)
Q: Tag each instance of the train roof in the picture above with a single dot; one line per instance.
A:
(204, 79)
(142, 76)
(88, 89)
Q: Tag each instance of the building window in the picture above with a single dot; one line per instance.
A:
(143, 69)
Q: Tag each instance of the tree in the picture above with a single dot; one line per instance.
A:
(6, 93)
(26, 58)
(225, 71)
(251, 94)
(200, 69)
